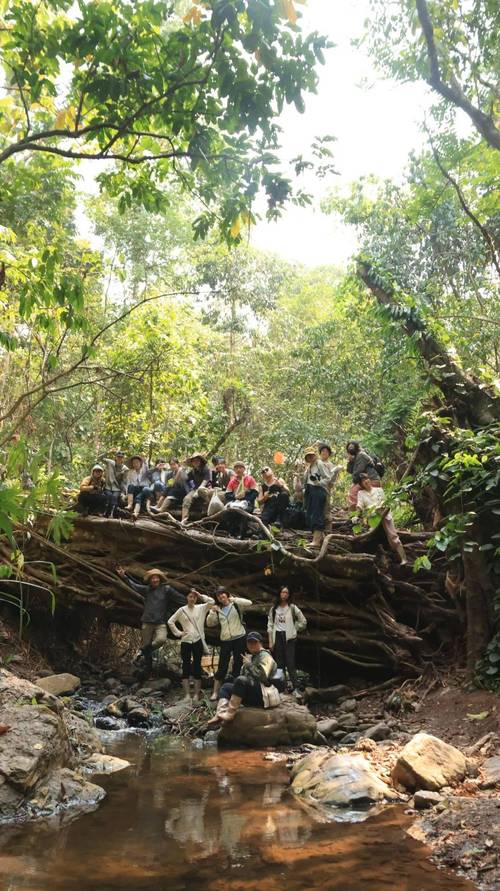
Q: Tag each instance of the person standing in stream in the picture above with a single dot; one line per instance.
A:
(191, 618)
(160, 601)
(228, 613)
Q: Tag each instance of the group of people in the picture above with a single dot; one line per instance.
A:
(257, 673)
(120, 487)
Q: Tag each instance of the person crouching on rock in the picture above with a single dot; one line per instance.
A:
(191, 618)
(254, 687)
(228, 615)
(160, 601)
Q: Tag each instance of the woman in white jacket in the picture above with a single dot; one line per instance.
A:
(191, 618)
(228, 614)
(284, 621)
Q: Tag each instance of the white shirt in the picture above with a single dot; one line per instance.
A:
(375, 498)
(192, 621)
(280, 619)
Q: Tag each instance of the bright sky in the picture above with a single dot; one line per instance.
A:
(376, 126)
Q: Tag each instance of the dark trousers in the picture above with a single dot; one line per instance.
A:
(248, 690)
(93, 502)
(273, 509)
(112, 501)
(228, 648)
(315, 507)
(136, 491)
(191, 654)
(284, 654)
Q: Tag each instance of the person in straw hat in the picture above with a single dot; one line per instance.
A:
(199, 480)
(316, 483)
(160, 601)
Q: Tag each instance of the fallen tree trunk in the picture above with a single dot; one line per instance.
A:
(364, 611)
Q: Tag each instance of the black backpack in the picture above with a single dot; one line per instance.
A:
(378, 465)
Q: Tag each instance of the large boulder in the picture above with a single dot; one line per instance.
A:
(427, 762)
(323, 778)
(59, 684)
(83, 737)
(490, 773)
(18, 691)
(36, 742)
(286, 725)
(62, 789)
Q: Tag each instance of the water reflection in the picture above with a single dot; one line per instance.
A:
(185, 818)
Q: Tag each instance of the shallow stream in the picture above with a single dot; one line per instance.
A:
(188, 818)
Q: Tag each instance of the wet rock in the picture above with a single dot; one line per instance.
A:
(337, 735)
(177, 712)
(128, 705)
(18, 691)
(350, 738)
(105, 722)
(327, 726)
(63, 789)
(36, 742)
(211, 736)
(158, 685)
(348, 705)
(138, 717)
(490, 772)
(423, 799)
(285, 725)
(115, 709)
(339, 780)
(325, 694)
(102, 763)
(378, 731)
(59, 684)
(347, 722)
(427, 762)
(82, 736)
(10, 800)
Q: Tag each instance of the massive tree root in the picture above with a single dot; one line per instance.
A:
(365, 612)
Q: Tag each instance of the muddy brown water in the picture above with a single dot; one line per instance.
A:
(187, 818)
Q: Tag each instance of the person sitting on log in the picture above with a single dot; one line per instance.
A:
(228, 615)
(316, 482)
(284, 621)
(373, 497)
(176, 488)
(191, 618)
(325, 454)
(274, 498)
(221, 474)
(156, 488)
(92, 498)
(199, 480)
(241, 492)
(160, 601)
(115, 481)
(137, 480)
(253, 687)
(359, 462)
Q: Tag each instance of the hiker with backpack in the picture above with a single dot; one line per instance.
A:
(284, 622)
(359, 461)
(191, 619)
(254, 687)
(228, 615)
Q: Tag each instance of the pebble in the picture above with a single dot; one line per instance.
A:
(424, 799)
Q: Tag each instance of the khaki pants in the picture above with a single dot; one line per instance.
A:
(203, 492)
(154, 635)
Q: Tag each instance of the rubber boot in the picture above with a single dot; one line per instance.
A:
(232, 708)
(186, 688)
(317, 539)
(215, 693)
(137, 510)
(220, 710)
(197, 690)
(400, 551)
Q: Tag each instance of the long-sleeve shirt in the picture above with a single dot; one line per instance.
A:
(115, 474)
(191, 619)
(138, 477)
(363, 463)
(292, 619)
(92, 484)
(317, 474)
(261, 668)
(228, 617)
(159, 602)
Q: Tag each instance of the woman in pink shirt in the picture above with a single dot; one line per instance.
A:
(241, 492)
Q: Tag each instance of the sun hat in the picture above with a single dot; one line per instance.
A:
(151, 572)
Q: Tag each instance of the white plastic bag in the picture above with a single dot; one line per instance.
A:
(215, 505)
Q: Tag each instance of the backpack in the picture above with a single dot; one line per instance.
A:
(378, 465)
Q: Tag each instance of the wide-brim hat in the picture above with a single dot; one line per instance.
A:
(310, 451)
(132, 458)
(151, 572)
(199, 455)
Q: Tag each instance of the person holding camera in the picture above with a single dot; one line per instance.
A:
(316, 487)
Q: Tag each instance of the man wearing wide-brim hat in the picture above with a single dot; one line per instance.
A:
(199, 480)
(160, 602)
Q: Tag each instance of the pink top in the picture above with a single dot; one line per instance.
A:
(248, 483)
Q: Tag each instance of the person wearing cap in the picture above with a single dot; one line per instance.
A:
(228, 615)
(325, 454)
(221, 473)
(115, 480)
(242, 492)
(191, 619)
(137, 479)
(253, 687)
(91, 497)
(199, 478)
(316, 481)
(274, 497)
(160, 601)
